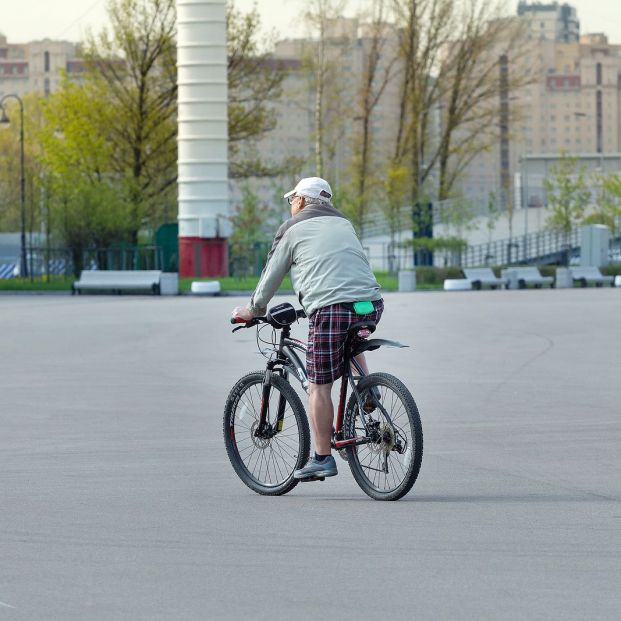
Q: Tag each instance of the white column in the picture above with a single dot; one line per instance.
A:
(203, 119)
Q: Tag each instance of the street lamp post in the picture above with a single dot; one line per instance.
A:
(5, 119)
(524, 202)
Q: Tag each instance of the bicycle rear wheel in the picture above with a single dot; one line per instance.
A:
(387, 465)
(266, 462)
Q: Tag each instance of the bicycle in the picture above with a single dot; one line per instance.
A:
(266, 430)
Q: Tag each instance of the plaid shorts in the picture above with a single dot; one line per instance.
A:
(327, 331)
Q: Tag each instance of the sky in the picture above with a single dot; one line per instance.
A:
(28, 20)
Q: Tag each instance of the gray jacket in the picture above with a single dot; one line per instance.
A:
(327, 262)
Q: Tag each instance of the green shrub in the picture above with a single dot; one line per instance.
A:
(427, 275)
(614, 269)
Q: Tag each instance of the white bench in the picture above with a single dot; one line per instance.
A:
(481, 276)
(118, 280)
(588, 275)
(457, 284)
(526, 276)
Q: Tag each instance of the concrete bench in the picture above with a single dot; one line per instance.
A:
(118, 280)
(590, 275)
(526, 276)
(457, 284)
(210, 287)
(483, 276)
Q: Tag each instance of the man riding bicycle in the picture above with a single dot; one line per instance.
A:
(331, 276)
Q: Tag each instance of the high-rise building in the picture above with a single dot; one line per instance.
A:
(347, 47)
(572, 104)
(550, 21)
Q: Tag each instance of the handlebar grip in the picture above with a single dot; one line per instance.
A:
(237, 320)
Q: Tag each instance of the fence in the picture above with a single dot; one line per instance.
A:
(536, 248)
(43, 262)
(248, 261)
(46, 262)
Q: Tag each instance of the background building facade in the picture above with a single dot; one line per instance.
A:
(37, 66)
(572, 104)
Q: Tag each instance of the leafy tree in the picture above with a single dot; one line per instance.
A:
(10, 174)
(254, 83)
(136, 60)
(250, 220)
(10, 171)
(457, 214)
(395, 197)
(90, 203)
(89, 215)
(568, 197)
(492, 213)
(608, 206)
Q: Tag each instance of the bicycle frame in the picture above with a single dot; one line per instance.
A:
(287, 362)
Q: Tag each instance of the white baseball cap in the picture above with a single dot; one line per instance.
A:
(313, 187)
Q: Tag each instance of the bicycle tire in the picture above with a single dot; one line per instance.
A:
(240, 441)
(392, 390)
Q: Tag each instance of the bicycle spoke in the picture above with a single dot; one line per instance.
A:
(384, 468)
(269, 460)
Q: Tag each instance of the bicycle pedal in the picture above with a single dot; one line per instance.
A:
(314, 478)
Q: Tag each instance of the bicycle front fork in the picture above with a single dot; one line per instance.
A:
(264, 429)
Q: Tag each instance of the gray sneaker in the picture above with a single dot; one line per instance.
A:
(317, 471)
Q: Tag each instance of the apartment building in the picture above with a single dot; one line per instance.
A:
(37, 66)
(347, 44)
(572, 105)
(551, 21)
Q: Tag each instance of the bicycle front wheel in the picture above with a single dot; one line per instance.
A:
(265, 460)
(387, 462)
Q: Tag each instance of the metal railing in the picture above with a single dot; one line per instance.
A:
(543, 247)
(46, 262)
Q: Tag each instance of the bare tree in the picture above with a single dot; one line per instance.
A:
(450, 54)
(471, 87)
(324, 65)
(378, 68)
(424, 28)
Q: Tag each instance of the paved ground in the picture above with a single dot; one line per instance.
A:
(118, 501)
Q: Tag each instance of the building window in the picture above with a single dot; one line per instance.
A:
(46, 61)
(598, 74)
(46, 86)
(599, 121)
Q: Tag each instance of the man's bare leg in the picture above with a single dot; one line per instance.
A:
(362, 361)
(321, 416)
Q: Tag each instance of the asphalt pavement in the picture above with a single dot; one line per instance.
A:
(118, 500)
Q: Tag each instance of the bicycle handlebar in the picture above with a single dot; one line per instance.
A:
(300, 314)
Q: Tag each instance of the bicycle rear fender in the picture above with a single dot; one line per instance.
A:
(362, 346)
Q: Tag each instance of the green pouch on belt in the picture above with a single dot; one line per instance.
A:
(363, 308)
